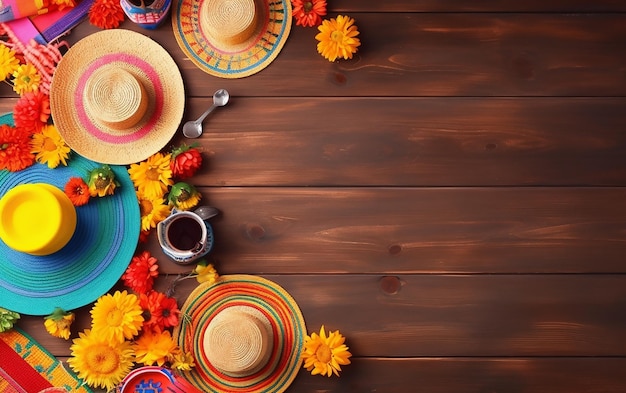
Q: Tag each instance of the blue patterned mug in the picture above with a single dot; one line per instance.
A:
(185, 236)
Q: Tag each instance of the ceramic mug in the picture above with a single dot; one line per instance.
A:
(148, 14)
(185, 236)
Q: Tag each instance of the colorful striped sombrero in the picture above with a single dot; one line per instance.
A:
(231, 38)
(117, 97)
(96, 256)
(246, 334)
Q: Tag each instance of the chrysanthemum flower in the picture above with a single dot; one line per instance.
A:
(77, 190)
(117, 317)
(160, 311)
(102, 181)
(15, 152)
(308, 12)
(32, 111)
(58, 323)
(152, 211)
(325, 355)
(101, 363)
(8, 62)
(141, 272)
(7, 319)
(186, 160)
(153, 176)
(183, 196)
(106, 14)
(49, 147)
(26, 79)
(337, 38)
(181, 361)
(154, 347)
(205, 272)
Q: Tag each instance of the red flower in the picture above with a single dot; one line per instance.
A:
(308, 12)
(144, 235)
(32, 111)
(140, 274)
(160, 311)
(185, 162)
(15, 152)
(77, 190)
(106, 14)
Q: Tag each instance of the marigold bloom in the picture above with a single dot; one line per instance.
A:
(117, 317)
(106, 14)
(181, 361)
(15, 152)
(325, 355)
(49, 147)
(32, 111)
(153, 176)
(26, 79)
(77, 190)
(160, 311)
(337, 38)
(58, 323)
(101, 363)
(186, 160)
(141, 272)
(152, 211)
(205, 273)
(308, 12)
(154, 347)
(8, 62)
(183, 196)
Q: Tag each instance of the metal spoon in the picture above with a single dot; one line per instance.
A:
(193, 129)
(206, 212)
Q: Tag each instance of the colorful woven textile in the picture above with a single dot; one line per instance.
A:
(26, 367)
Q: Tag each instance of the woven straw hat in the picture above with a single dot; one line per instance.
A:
(93, 260)
(108, 97)
(231, 38)
(246, 334)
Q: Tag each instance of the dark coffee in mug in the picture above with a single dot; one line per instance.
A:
(184, 233)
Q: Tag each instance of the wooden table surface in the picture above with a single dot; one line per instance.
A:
(452, 199)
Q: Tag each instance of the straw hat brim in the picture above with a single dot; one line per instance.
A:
(145, 59)
(89, 265)
(206, 301)
(232, 61)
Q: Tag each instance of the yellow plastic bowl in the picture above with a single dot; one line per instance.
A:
(37, 219)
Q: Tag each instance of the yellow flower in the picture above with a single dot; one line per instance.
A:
(116, 317)
(183, 196)
(337, 38)
(26, 79)
(49, 147)
(205, 273)
(153, 176)
(102, 181)
(181, 361)
(154, 347)
(101, 363)
(58, 323)
(8, 62)
(152, 211)
(323, 354)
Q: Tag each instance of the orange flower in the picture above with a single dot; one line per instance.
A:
(32, 111)
(141, 272)
(186, 160)
(15, 152)
(308, 12)
(106, 14)
(160, 311)
(77, 190)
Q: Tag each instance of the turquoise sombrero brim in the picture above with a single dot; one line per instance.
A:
(239, 61)
(104, 242)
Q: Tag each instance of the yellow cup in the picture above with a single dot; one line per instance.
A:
(37, 219)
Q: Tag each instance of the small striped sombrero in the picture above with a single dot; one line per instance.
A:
(231, 38)
(246, 334)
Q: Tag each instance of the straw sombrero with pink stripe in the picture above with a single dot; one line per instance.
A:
(246, 334)
(117, 97)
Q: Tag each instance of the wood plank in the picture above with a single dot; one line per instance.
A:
(342, 6)
(416, 230)
(413, 141)
(448, 315)
(438, 54)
